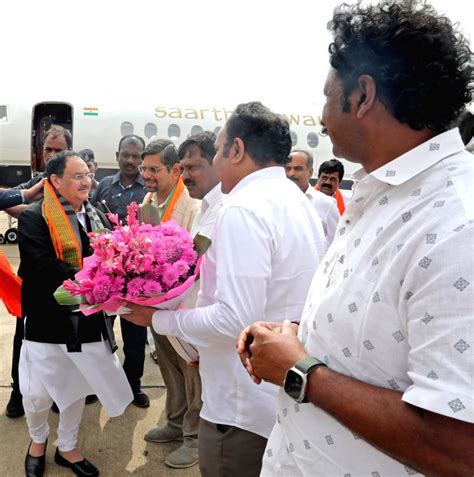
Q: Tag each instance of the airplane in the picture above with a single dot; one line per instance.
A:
(99, 125)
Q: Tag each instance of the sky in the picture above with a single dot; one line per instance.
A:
(148, 51)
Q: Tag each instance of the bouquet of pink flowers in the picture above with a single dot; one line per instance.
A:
(138, 262)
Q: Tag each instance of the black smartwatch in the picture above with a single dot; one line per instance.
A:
(296, 379)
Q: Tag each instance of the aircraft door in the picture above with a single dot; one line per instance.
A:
(44, 116)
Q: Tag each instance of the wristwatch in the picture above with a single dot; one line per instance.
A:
(296, 379)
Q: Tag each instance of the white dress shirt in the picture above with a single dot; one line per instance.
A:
(264, 254)
(390, 305)
(326, 207)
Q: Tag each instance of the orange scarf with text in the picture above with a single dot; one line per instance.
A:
(64, 239)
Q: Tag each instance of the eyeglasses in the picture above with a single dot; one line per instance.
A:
(81, 177)
(152, 170)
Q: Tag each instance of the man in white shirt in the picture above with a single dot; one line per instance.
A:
(183, 384)
(383, 356)
(300, 171)
(264, 255)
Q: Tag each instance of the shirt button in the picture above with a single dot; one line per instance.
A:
(348, 221)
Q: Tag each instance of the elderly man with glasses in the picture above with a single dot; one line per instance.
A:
(65, 356)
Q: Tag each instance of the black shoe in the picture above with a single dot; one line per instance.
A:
(141, 399)
(83, 468)
(15, 405)
(92, 398)
(34, 466)
(55, 408)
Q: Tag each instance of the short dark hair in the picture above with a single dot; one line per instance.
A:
(131, 138)
(328, 167)
(87, 155)
(166, 149)
(421, 63)
(204, 141)
(266, 135)
(310, 160)
(56, 131)
(57, 164)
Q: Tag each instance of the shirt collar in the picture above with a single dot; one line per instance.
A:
(266, 172)
(211, 197)
(417, 160)
(138, 179)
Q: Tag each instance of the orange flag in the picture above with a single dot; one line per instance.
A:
(10, 287)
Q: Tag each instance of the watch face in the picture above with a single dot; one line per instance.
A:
(293, 384)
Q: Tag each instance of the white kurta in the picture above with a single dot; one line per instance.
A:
(67, 377)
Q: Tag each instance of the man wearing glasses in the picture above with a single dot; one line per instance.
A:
(65, 356)
(161, 171)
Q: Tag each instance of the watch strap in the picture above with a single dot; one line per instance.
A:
(306, 365)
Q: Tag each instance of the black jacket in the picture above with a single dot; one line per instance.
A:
(42, 273)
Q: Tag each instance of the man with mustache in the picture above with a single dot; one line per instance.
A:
(300, 170)
(115, 193)
(330, 175)
(55, 140)
(161, 172)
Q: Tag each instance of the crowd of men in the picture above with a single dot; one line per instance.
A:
(352, 314)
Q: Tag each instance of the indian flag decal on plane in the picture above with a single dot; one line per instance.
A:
(90, 111)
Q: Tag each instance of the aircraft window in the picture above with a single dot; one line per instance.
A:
(150, 130)
(126, 128)
(217, 130)
(174, 131)
(312, 139)
(294, 138)
(3, 114)
(196, 129)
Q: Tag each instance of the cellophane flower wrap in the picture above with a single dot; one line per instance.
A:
(153, 265)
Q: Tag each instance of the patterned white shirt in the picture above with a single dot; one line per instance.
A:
(391, 305)
(264, 254)
(326, 207)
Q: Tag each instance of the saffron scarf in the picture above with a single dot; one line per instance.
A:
(10, 287)
(170, 201)
(339, 199)
(63, 225)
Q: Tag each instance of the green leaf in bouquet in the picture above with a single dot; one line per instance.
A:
(102, 231)
(201, 244)
(64, 297)
(148, 214)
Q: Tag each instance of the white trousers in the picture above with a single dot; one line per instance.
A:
(69, 421)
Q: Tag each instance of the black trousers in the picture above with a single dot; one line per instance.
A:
(134, 339)
(17, 341)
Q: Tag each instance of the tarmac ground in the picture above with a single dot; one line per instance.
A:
(114, 445)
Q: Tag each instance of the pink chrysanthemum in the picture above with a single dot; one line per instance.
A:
(135, 260)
